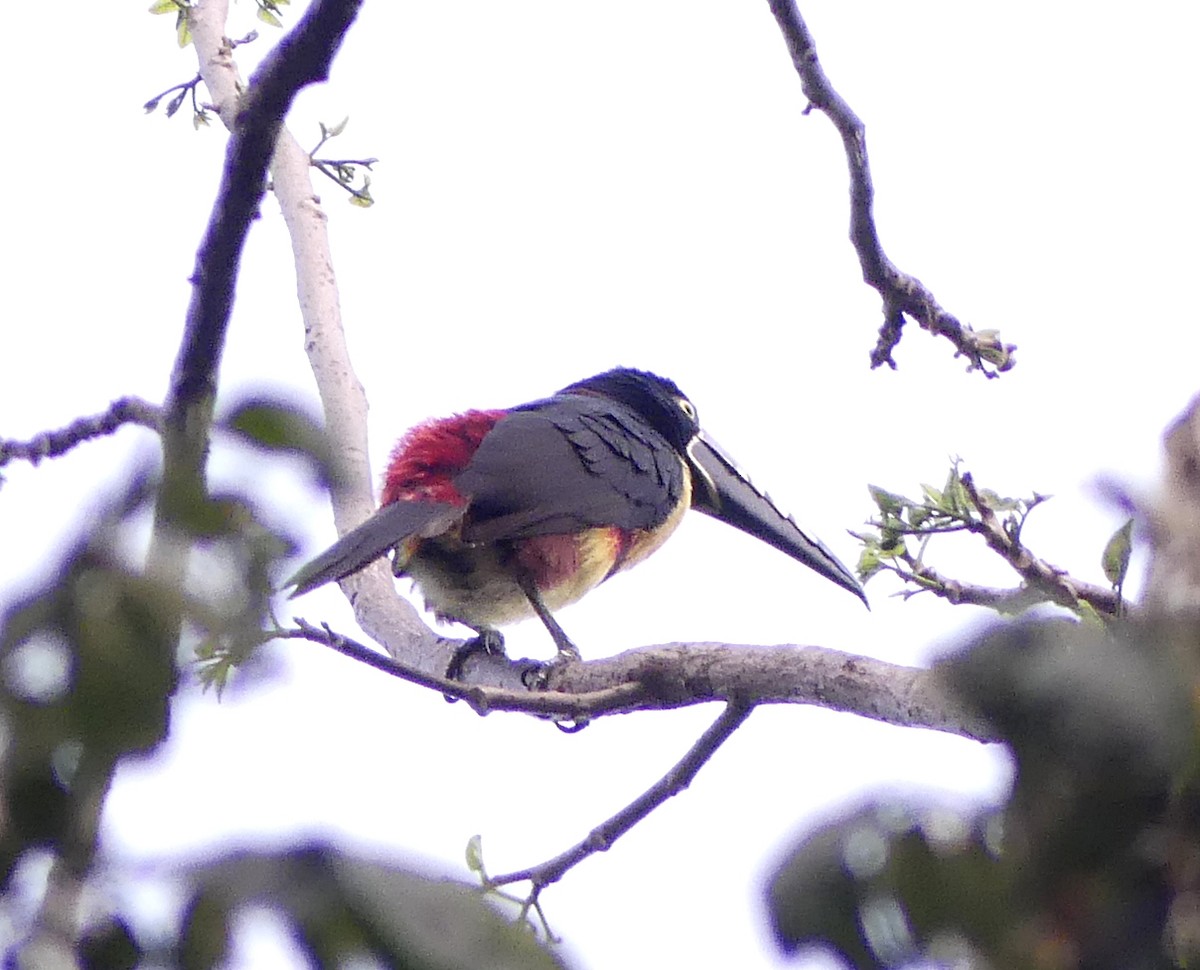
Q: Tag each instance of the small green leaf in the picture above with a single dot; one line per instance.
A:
(917, 515)
(887, 501)
(868, 562)
(267, 17)
(1115, 560)
(475, 854)
(164, 6)
(997, 502)
(183, 29)
(955, 494)
(336, 129)
(362, 198)
(934, 498)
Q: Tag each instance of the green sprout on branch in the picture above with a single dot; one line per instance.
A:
(268, 11)
(526, 906)
(183, 30)
(200, 110)
(344, 171)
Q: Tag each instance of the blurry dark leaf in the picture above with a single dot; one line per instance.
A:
(116, 628)
(109, 946)
(342, 907)
(888, 884)
(205, 937)
(278, 426)
(813, 899)
(1102, 727)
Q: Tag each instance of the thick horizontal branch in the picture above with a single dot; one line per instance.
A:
(51, 444)
(902, 294)
(680, 674)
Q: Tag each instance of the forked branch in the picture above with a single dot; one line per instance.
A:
(903, 295)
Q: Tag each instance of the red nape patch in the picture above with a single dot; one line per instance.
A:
(429, 455)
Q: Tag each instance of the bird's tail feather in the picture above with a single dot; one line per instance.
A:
(361, 546)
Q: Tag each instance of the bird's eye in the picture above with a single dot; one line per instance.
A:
(688, 408)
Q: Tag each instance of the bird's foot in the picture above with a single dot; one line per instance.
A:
(489, 642)
(537, 677)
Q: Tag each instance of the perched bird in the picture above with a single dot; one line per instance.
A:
(501, 515)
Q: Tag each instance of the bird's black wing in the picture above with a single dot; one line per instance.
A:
(565, 464)
(361, 546)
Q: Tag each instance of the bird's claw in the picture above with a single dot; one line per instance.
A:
(537, 676)
(488, 642)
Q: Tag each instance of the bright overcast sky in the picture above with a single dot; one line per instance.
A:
(563, 187)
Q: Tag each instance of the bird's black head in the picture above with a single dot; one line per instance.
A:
(659, 401)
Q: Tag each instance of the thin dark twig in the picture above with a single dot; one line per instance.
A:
(51, 444)
(601, 838)
(482, 700)
(902, 294)
(343, 162)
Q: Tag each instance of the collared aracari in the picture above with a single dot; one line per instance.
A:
(500, 515)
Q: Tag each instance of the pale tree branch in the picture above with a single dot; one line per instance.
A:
(52, 444)
(903, 295)
(683, 674)
(386, 617)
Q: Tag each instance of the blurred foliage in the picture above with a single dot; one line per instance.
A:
(1094, 862)
(88, 666)
(340, 907)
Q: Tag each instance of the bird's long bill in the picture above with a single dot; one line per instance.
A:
(722, 491)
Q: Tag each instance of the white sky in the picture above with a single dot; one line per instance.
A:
(564, 187)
